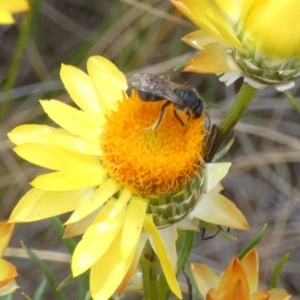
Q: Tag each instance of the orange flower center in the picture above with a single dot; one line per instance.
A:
(151, 162)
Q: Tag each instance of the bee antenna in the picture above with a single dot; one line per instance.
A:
(213, 105)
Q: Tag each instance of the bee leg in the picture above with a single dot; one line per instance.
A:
(210, 141)
(160, 117)
(177, 117)
(189, 116)
(204, 238)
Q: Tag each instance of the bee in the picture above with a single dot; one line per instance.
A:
(152, 88)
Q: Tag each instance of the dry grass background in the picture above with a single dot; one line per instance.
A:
(145, 37)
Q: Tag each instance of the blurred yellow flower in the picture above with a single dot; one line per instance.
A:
(125, 185)
(9, 7)
(8, 271)
(239, 281)
(255, 39)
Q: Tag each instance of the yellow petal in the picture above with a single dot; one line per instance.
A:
(6, 231)
(169, 236)
(108, 272)
(73, 120)
(266, 26)
(198, 39)
(212, 295)
(80, 227)
(214, 173)
(43, 134)
(81, 88)
(68, 141)
(100, 196)
(214, 58)
(37, 204)
(261, 295)
(195, 11)
(122, 201)
(230, 8)
(133, 225)
(6, 17)
(205, 278)
(97, 239)
(9, 288)
(277, 294)
(208, 17)
(110, 82)
(234, 273)
(135, 284)
(8, 272)
(14, 6)
(237, 290)
(250, 264)
(56, 158)
(66, 181)
(133, 267)
(225, 29)
(31, 133)
(225, 213)
(162, 255)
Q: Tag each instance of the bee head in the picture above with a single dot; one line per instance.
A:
(197, 109)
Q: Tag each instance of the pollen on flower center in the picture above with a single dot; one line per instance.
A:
(151, 162)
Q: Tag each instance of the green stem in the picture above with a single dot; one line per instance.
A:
(186, 249)
(292, 100)
(148, 264)
(13, 70)
(236, 111)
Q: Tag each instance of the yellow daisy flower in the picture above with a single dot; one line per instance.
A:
(255, 39)
(125, 185)
(9, 7)
(8, 271)
(239, 281)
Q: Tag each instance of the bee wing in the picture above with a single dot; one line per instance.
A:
(149, 82)
(169, 95)
(157, 85)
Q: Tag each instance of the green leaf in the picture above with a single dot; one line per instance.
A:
(84, 289)
(26, 297)
(195, 293)
(46, 271)
(186, 249)
(41, 289)
(181, 65)
(59, 228)
(277, 270)
(253, 243)
(87, 296)
(66, 282)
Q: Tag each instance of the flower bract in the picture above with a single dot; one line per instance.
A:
(255, 39)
